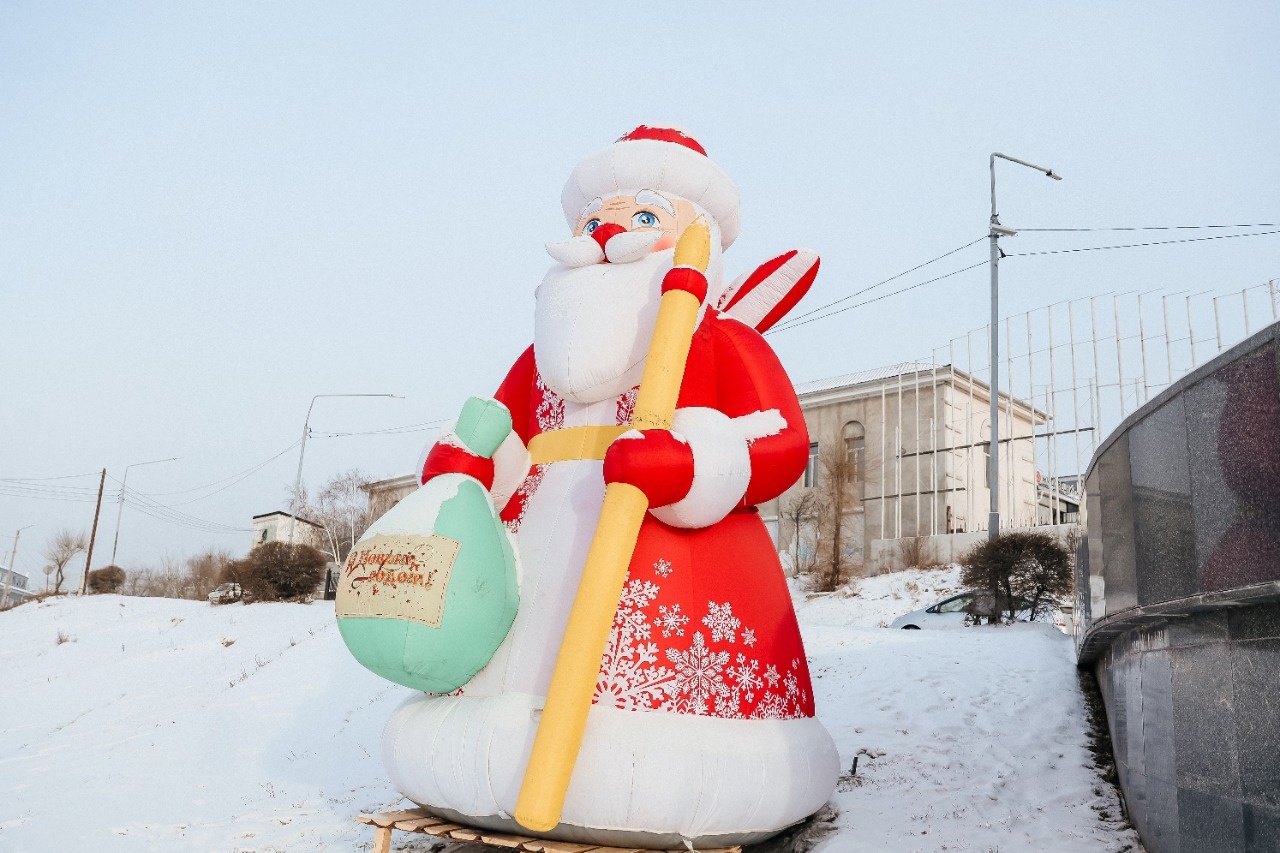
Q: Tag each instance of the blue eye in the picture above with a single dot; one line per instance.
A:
(644, 219)
(591, 226)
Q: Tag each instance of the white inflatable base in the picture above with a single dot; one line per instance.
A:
(641, 776)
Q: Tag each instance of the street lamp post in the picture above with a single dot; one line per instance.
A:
(306, 429)
(997, 231)
(120, 510)
(8, 576)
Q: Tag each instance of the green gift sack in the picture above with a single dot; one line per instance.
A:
(430, 590)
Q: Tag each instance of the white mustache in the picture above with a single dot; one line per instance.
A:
(624, 248)
(576, 251)
(631, 246)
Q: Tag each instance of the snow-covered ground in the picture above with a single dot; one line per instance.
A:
(874, 602)
(133, 724)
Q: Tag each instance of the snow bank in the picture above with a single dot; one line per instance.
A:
(876, 601)
(172, 725)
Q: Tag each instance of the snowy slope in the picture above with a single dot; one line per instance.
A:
(876, 601)
(173, 725)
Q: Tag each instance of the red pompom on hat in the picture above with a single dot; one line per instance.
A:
(662, 159)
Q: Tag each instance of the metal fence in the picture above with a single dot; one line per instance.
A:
(1086, 363)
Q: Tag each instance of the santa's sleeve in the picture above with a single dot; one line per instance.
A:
(510, 462)
(753, 444)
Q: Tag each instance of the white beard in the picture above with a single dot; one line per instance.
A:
(592, 325)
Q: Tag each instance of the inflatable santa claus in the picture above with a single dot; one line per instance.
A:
(700, 726)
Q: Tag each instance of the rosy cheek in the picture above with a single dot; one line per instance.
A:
(668, 241)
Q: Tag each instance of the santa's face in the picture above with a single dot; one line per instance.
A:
(646, 211)
(594, 316)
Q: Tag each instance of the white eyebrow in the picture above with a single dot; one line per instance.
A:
(651, 197)
(592, 206)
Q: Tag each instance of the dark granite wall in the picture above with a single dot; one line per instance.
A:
(1192, 711)
(1185, 498)
(1178, 591)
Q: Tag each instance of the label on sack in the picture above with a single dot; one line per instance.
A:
(398, 576)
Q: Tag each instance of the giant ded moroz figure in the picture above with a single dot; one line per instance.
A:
(698, 720)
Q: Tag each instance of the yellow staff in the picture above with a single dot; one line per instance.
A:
(559, 738)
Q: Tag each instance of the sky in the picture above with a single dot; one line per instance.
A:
(211, 213)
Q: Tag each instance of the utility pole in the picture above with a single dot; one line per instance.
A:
(302, 452)
(996, 232)
(8, 577)
(120, 511)
(88, 560)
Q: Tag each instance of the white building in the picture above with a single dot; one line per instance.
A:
(384, 494)
(276, 527)
(919, 437)
(13, 587)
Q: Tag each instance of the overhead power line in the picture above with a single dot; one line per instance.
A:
(55, 493)
(400, 430)
(155, 509)
(1156, 227)
(197, 524)
(788, 326)
(44, 479)
(792, 321)
(1140, 245)
(229, 481)
(822, 312)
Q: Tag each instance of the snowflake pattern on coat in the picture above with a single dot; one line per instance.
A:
(513, 513)
(652, 663)
(626, 406)
(549, 406)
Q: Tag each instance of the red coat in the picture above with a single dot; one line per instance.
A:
(705, 623)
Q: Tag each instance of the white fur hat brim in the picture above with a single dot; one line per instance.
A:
(630, 165)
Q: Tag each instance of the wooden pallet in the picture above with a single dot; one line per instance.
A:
(420, 821)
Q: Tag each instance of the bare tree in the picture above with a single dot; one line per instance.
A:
(916, 553)
(61, 550)
(191, 578)
(802, 512)
(204, 572)
(341, 509)
(838, 495)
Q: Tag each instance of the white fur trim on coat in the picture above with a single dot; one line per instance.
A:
(721, 468)
(666, 167)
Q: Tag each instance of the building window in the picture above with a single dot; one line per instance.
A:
(855, 446)
(811, 467)
(986, 467)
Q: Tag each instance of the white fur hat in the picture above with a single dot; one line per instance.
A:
(661, 159)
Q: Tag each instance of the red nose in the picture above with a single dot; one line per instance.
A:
(604, 232)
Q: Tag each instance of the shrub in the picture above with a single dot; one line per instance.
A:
(234, 571)
(276, 570)
(916, 552)
(1028, 566)
(106, 580)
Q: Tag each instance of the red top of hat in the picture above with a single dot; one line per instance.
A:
(664, 134)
